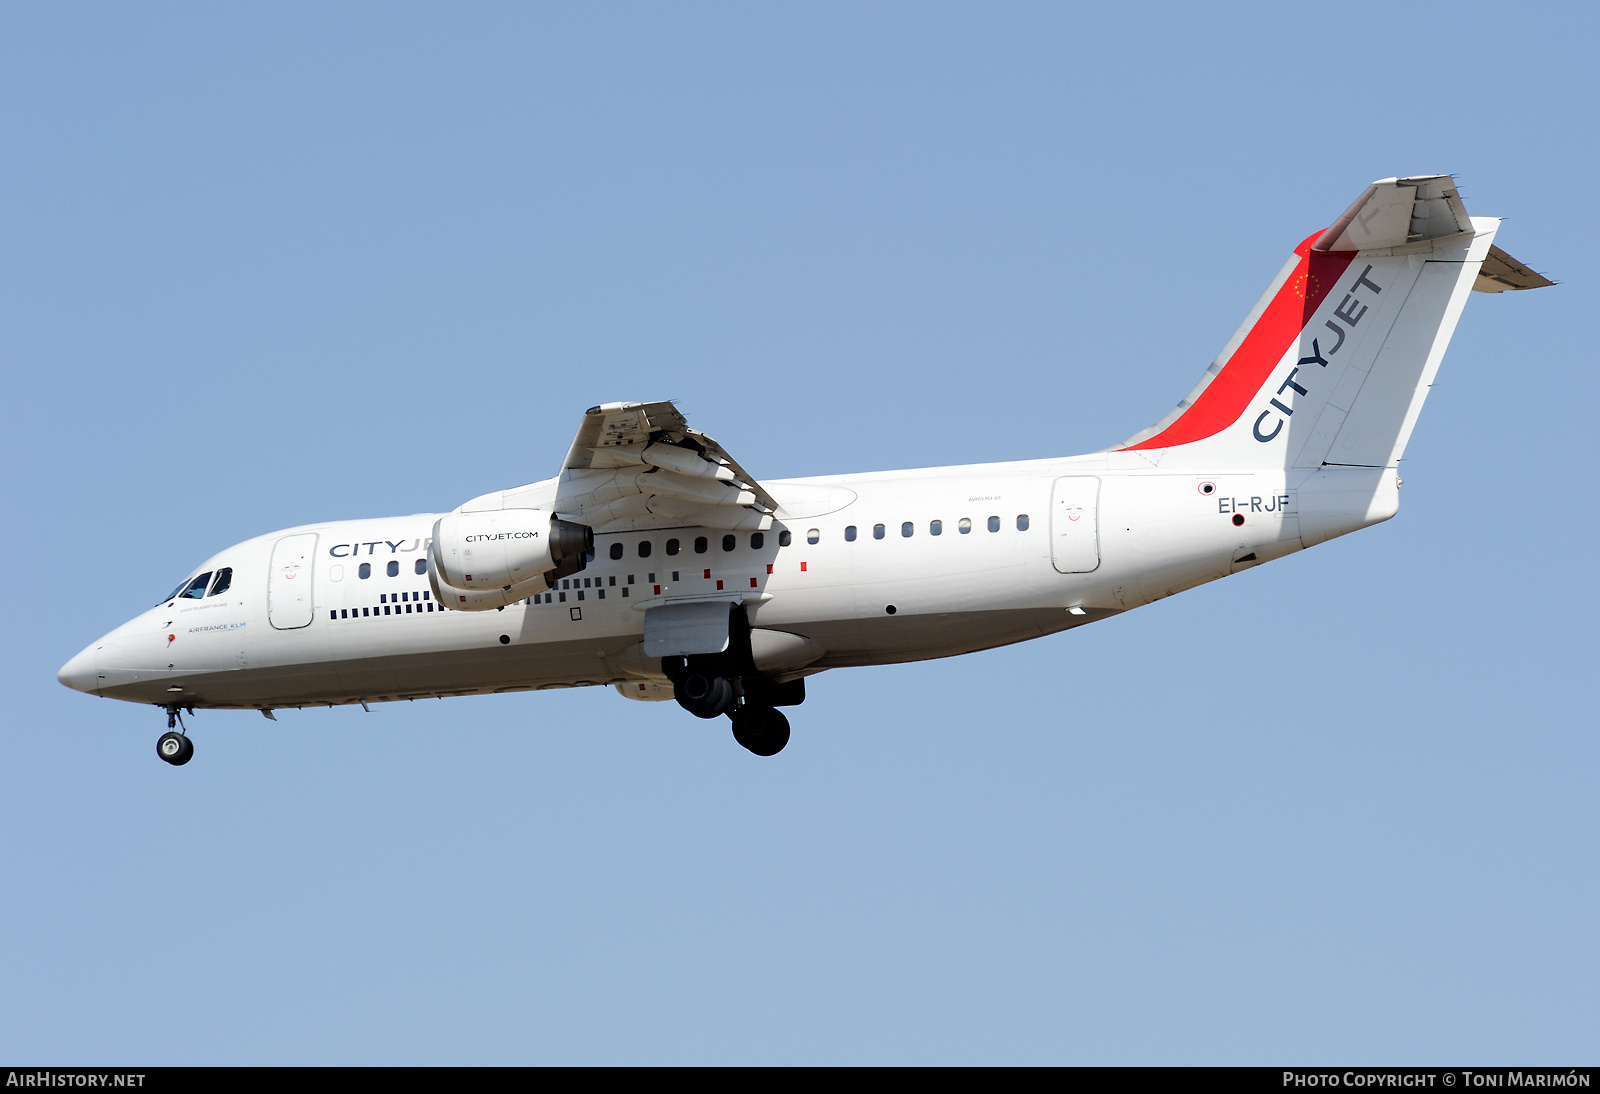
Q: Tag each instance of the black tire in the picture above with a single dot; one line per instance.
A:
(704, 695)
(175, 748)
(762, 730)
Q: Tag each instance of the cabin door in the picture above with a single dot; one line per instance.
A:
(289, 605)
(1074, 538)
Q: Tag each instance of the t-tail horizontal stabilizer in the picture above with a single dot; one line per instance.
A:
(1501, 272)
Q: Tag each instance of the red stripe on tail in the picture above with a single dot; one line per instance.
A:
(1227, 396)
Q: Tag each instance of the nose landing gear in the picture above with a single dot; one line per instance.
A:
(175, 748)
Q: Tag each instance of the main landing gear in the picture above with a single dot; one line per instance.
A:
(704, 692)
(763, 730)
(709, 687)
(175, 747)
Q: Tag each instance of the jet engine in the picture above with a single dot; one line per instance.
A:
(492, 559)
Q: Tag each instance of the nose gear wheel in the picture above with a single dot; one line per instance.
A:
(175, 748)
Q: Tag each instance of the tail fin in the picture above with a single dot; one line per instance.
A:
(1333, 363)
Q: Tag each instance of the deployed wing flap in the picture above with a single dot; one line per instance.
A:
(642, 463)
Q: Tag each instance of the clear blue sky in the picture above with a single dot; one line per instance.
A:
(270, 264)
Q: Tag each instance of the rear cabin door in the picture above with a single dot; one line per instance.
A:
(289, 605)
(1074, 538)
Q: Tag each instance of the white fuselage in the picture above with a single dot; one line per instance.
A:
(1022, 550)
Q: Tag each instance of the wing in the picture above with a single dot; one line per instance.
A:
(639, 465)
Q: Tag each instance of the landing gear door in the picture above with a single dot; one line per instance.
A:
(686, 628)
(1074, 536)
(289, 605)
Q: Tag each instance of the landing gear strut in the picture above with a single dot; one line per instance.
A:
(175, 748)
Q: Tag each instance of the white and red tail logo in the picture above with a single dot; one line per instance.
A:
(1333, 363)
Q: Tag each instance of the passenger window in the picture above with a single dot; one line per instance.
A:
(616, 550)
(850, 534)
(729, 542)
(813, 535)
(784, 538)
(197, 587)
(672, 546)
(907, 528)
(644, 548)
(421, 567)
(394, 569)
(224, 579)
(1022, 522)
(877, 531)
(936, 527)
(758, 541)
(994, 524)
(701, 545)
(364, 571)
(965, 526)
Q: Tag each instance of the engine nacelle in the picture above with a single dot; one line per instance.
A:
(483, 600)
(506, 547)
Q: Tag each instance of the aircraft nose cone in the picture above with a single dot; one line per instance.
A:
(80, 673)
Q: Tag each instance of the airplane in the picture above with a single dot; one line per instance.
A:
(655, 564)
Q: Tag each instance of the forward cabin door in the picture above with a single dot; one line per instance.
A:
(1074, 537)
(289, 605)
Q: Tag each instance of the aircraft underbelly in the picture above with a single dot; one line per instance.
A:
(892, 640)
(390, 676)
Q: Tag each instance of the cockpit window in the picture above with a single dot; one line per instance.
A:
(197, 587)
(173, 595)
(224, 579)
